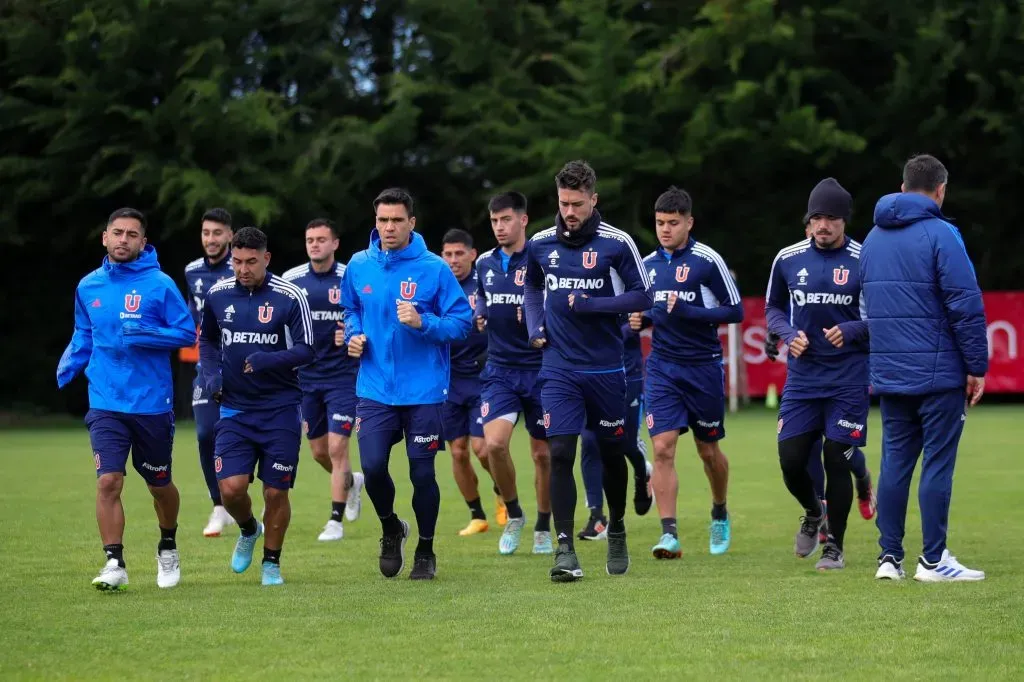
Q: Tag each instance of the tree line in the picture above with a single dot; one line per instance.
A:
(282, 111)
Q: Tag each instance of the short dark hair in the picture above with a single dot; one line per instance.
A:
(395, 195)
(249, 238)
(128, 212)
(506, 200)
(674, 200)
(457, 236)
(323, 222)
(218, 215)
(924, 173)
(577, 175)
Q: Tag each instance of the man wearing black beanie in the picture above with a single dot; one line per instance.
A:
(813, 304)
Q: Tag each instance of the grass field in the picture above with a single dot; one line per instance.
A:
(756, 613)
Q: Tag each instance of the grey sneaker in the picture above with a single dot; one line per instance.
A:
(567, 566)
(807, 537)
(618, 555)
(831, 558)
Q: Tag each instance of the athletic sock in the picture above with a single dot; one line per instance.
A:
(337, 511)
(476, 509)
(514, 510)
(115, 552)
(425, 546)
(249, 527)
(167, 539)
(391, 525)
(271, 556)
(597, 512)
(668, 525)
(543, 522)
(719, 512)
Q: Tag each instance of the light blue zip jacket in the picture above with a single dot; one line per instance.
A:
(129, 317)
(401, 365)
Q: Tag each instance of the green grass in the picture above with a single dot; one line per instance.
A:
(756, 613)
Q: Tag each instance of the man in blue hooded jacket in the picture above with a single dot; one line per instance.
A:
(403, 307)
(129, 317)
(928, 348)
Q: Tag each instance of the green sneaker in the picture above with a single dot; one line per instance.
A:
(618, 555)
(567, 566)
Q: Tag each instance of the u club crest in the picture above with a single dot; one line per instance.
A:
(265, 313)
(589, 259)
(132, 302)
(520, 277)
(840, 275)
(334, 295)
(408, 290)
(682, 272)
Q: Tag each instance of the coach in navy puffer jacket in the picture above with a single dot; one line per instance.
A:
(922, 298)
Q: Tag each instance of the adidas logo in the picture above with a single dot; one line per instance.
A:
(802, 273)
(367, 289)
(652, 273)
(553, 254)
(230, 309)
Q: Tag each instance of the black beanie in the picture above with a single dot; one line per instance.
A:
(829, 198)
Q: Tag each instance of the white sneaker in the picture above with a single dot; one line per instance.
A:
(948, 569)
(168, 568)
(332, 531)
(111, 578)
(219, 519)
(889, 569)
(354, 505)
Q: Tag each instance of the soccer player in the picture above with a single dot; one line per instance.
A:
(685, 384)
(256, 330)
(129, 317)
(403, 307)
(329, 383)
(929, 348)
(815, 465)
(511, 382)
(814, 304)
(463, 426)
(591, 273)
(200, 275)
(636, 452)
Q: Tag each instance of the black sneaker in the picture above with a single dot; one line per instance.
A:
(642, 498)
(618, 555)
(392, 551)
(424, 567)
(597, 529)
(567, 566)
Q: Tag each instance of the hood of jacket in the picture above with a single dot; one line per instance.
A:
(894, 211)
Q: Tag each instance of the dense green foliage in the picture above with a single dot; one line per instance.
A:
(283, 110)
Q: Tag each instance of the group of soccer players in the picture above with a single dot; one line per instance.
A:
(404, 344)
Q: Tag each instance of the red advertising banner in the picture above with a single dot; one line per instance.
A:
(1004, 314)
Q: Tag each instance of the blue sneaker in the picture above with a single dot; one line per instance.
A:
(542, 542)
(667, 548)
(721, 533)
(508, 543)
(272, 574)
(242, 556)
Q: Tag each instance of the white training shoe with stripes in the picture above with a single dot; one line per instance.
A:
(948, 569)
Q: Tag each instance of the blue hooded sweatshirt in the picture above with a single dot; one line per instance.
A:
(401, 365)
(129, 317)
(923, 303)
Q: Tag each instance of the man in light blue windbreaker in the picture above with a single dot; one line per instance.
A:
(929, 355)
(129, 318)
(403, 307)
